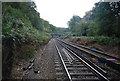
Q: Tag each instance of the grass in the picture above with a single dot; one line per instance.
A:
(103, 40)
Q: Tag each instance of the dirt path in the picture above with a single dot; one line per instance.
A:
(45, 63)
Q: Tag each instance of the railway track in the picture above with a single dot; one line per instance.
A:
(111, 61)
(70, 66)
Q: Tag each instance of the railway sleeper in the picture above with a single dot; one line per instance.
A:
(85, 79)
(59, 69)
(60, 75)
(82, 74)
(79, 71)
(73, 68)
(74, 62)
(62, 79)
(57, 65)
(70, 65)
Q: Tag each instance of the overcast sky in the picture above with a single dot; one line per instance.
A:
(59, 12)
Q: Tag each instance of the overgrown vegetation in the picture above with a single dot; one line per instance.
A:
(22, 22)
(23, 31)
(105, 40)
(102, 22)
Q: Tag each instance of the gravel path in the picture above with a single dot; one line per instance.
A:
(45, 63)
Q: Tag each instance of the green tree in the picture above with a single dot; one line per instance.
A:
(73, 21)
(106, 18)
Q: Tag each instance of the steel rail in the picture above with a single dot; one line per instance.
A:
(105, 78)
(97, 51)
(93, 64)
(68, 74)
(103, 58)
(97, 72)
(70, 58)
(81, 47)
(89, 66)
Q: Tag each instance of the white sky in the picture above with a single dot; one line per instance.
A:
(59, 12)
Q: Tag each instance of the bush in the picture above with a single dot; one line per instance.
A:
(27, 51)
(107, 40)
(19, 27)
(104, 40)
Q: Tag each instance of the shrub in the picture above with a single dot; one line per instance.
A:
(27, 51)
(104, 40)
(18, 26)
(107, 40)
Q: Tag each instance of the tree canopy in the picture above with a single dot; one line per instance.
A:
(103, 19)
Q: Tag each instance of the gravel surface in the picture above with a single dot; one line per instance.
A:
(44, 63)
